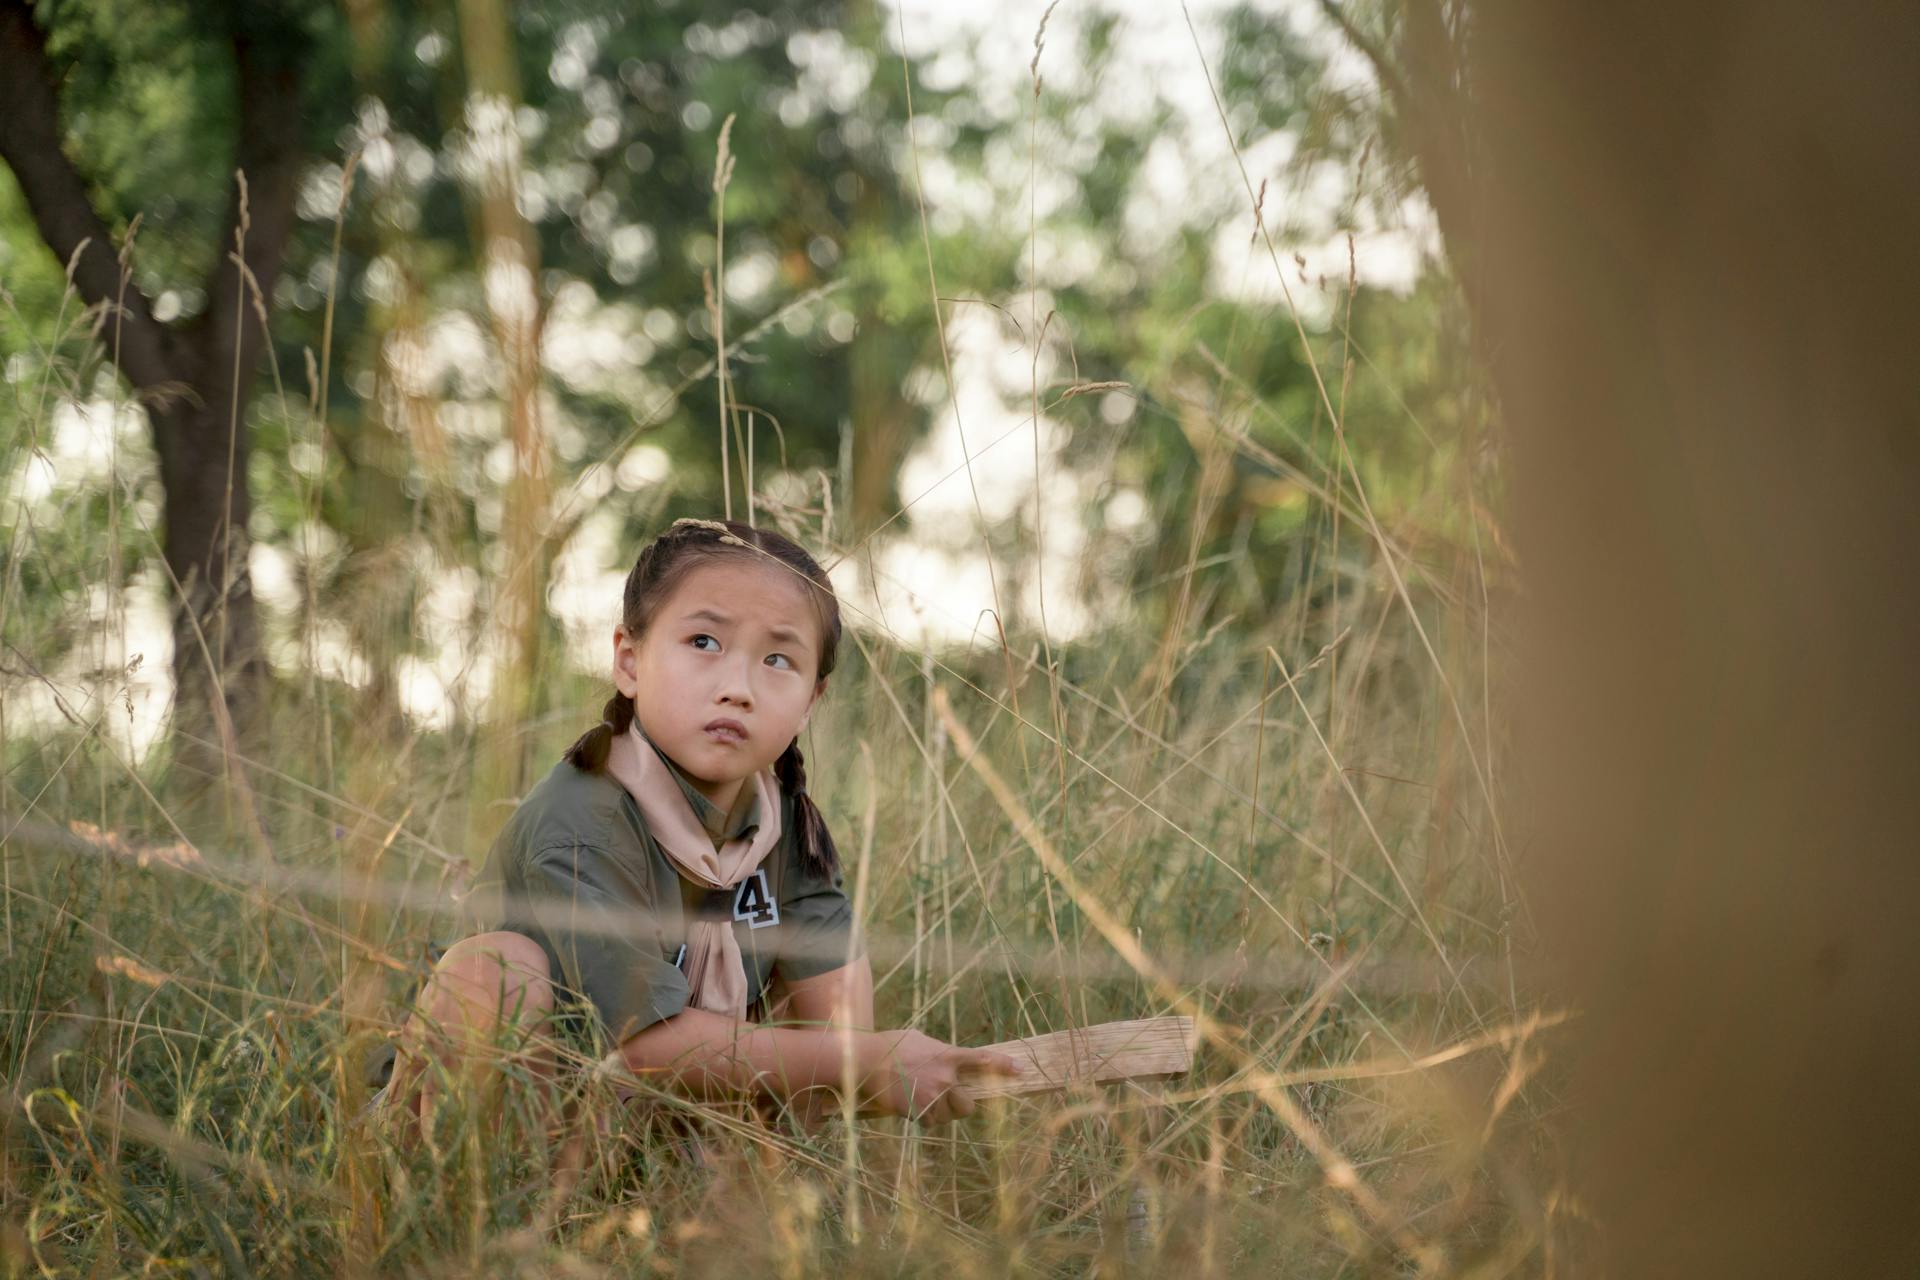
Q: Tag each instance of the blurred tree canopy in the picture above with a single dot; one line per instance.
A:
(394, 442)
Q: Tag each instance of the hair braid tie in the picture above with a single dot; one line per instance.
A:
(589, 751)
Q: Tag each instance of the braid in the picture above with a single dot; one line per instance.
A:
(589, 752)
(817, 853)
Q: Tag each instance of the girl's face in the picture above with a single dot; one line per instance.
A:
(723, 677)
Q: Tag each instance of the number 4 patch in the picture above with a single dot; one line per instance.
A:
(754, 902)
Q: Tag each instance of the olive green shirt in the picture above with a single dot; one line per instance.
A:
(576, 870)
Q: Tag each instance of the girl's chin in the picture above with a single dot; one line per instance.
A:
(717, 764)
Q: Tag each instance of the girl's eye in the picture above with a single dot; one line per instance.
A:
(780, 657)
(695, 640)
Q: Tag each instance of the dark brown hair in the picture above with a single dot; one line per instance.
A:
(663, 564)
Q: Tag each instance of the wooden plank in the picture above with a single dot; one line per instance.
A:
(1137, 1049)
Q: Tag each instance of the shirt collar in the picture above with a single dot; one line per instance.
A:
(746, 810)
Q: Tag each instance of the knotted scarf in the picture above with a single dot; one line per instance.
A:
(716, 973)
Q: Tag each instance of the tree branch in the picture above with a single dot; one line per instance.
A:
(1383, 66)
(1436, 77)
(1428, 96)
(30, 135)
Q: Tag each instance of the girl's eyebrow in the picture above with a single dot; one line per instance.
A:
(788, 634)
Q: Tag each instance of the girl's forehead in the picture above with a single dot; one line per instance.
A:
(743, 590)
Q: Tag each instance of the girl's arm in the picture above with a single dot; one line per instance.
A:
(841, 998)
(900, 1073)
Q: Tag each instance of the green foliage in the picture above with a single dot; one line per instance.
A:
(619, 122)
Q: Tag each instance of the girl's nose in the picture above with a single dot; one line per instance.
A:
(734, 686)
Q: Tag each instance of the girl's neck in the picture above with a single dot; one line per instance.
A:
(721, 794)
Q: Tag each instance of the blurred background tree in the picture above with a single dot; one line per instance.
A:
(486, 237)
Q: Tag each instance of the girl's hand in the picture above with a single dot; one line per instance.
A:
(914, 1075)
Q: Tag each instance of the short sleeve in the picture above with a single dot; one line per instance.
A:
(816, 919)
(602, 933)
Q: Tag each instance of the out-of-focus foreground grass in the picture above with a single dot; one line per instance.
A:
(180, 1023)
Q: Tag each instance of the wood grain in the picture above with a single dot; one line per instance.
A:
(1137, 1049)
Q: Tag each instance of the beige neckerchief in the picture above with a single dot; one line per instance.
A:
(716, 972)
(721, 826)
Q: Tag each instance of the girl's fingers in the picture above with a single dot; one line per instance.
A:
(988, 1062)
(951, 1103)
(931, 1114)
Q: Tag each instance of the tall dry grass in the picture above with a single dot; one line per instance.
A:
(1291, 829)
(1276, 828)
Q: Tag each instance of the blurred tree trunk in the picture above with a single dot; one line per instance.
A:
(1692, 270)
(510, 269)
(883, 418)
(195, 378)
(877, 402)
(205, 545)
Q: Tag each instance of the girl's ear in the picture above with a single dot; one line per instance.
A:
(626, 662)
(819, 687)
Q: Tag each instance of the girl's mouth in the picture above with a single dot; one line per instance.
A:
(726, 732)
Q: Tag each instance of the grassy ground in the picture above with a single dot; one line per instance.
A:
(182, 1020)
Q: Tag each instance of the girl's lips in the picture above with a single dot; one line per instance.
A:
(727, 732)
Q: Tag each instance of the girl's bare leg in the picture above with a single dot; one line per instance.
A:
(481, 983)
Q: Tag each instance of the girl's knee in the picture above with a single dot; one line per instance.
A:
(501, 971)
(480, 984)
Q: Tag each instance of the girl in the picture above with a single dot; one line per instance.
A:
(671, 873)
